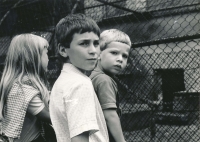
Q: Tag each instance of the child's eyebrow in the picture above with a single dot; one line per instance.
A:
(116, 49)
(84, 39)
(89, 40)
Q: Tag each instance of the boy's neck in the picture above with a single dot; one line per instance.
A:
(83, 71)
(101, 68)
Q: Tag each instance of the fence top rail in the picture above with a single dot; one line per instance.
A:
(165, 40)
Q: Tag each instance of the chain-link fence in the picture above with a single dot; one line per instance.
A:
(159, 89)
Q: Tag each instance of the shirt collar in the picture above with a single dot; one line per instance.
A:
(68, 67)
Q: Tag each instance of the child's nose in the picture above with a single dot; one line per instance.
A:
(92, 49)
(119, 58)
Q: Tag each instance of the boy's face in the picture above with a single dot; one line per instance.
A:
(83, 51)
(114, 58)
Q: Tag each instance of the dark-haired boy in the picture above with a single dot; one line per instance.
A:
(75, 111)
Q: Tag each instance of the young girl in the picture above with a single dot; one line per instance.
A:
(24, 96)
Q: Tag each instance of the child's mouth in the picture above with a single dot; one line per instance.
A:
(118, 66)
(92, 59)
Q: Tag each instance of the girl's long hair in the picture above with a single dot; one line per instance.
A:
(23, 58)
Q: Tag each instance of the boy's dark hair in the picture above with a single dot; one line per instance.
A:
(71, 24)
(68, 26)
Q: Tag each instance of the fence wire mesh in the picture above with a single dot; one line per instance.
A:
(159, 89)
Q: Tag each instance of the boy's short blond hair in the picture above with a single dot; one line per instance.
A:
(113, 35)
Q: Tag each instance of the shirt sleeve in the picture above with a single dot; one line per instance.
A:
(35, 105)
(80, 110)
(106, 94)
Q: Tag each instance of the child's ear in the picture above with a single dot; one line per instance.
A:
(62, 50)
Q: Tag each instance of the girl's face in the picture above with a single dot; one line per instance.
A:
(44, 59)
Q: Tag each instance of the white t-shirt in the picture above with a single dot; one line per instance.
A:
(74, 107)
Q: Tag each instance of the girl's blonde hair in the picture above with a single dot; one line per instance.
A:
(113, 35)
(23, 58)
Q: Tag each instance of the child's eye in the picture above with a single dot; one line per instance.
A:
(84, 43)
(125, 56)
(113, 52)
(96, 43)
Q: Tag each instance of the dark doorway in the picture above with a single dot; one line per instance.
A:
(172, 81)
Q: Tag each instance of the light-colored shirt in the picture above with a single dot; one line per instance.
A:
(22, 105)
(74, 107)
(31, 127)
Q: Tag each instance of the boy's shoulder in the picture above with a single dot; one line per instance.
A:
(72, 79)
(101, 77)
(96, 74)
